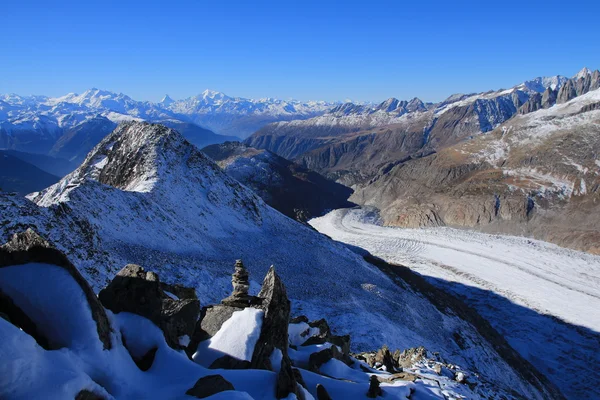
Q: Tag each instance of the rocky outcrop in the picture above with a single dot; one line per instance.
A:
(549, 98)
(139, 292)
(209, 385)
(274, 334)
(28, 247)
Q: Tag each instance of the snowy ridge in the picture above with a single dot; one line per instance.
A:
(211, 109)
(145, 196)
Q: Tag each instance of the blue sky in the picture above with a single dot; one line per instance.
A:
(362, 50)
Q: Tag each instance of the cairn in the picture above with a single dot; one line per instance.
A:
(239, 280)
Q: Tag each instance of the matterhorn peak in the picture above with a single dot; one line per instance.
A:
(167, 100)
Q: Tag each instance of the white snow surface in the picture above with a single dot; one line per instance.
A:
(531, 277)
(239, 334)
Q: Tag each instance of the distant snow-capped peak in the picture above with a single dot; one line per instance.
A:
(582, 73)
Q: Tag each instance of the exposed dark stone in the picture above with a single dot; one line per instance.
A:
(87, 395)
(298, 319)
(28, 247)
(322, 393)
(323, 326)
(374, 389)
(274, 333)
(209, 385)
(136, 291)
(229, 362)
(319, 358)
(299, 378)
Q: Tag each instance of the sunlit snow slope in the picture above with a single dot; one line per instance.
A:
(519, 285)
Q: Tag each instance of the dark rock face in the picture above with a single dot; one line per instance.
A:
(274, 333)
(549, 98)
(322, 393)
(209, 385)
(29, 247)
(533, 104)
(136, 291)
(566, 92)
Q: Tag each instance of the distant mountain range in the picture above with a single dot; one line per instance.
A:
(522, 160)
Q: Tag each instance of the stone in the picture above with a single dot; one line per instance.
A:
(209, 385)
(28, 247)
(322, 393)
(229, 362)
(321, 357)
(139, 292)
(374, 389)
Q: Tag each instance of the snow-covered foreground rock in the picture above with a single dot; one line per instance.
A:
(146, 196)
(525, 288)
(58, 342)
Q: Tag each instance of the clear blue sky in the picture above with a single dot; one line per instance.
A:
(363, 50)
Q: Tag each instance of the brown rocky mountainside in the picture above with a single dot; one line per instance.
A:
(537, 174)
(352, 143)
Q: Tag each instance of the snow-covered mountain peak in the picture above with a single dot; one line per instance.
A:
(138, 156)
(582, 73)
(212, 96)
(167, 100)
(540, 84)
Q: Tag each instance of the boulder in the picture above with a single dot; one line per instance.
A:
(28, 247)
(209, 385)
(139, 292)
(321, 357)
